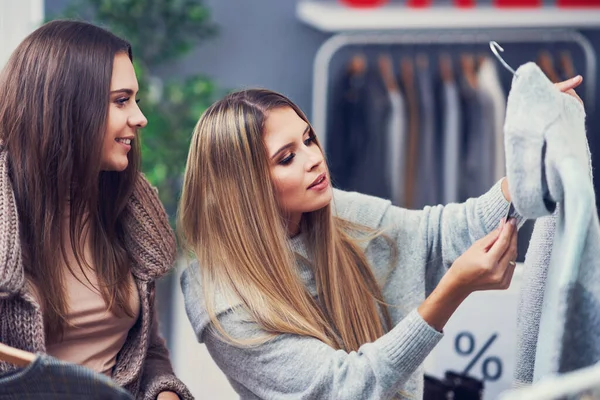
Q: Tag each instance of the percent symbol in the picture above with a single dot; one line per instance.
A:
(490, 362)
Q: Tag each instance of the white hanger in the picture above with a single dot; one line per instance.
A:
(494, 46)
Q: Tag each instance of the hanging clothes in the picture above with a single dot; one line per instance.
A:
(428, 175)
(546, 63)
(478, 141)
(470, 116)
(395, 131)
(396, 134)
(487, 149)
(531, 296)
(490, 86)
(47, 378)
(370, 177)
(356, 143)
(548, 162)
(347, 131)
(567, 69)
(407, 74)
(451, 133)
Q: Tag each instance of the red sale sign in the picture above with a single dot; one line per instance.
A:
(364, 3)
(517, 3)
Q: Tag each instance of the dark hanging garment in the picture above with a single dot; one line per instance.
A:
(429, 184)
(347, 131)
(356, 140)
(370, 176)
(477, 174)
(411, 153)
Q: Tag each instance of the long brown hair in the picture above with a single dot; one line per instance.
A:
(229, 218)
(54, 98)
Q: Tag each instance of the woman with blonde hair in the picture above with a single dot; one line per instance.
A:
(304, 291)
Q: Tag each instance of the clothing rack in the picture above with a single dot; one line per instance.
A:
(331, 46)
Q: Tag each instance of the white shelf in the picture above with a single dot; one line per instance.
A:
(332, 17)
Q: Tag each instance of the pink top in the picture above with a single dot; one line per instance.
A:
(96, 335)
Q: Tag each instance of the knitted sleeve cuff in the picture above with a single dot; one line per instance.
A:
(167, 383)
(493, 206)
(410, 342)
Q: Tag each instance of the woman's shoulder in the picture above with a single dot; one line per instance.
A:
(193, 289)
(359, 208)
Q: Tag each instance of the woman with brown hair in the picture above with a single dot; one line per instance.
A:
(84, 235)
(303, 291)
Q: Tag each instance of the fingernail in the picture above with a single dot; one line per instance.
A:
(577, 78)
(513, 221)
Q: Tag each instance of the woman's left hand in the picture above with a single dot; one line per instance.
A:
(167, 396)
(568, 86)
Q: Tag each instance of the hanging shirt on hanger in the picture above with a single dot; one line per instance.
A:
(347, 132)
(395, 131)
(396, 146)
(428, 186)
(531, 296)
(407, 74)
(478, 141)
(487, 149)
(449, 132)
(489, 84)
(356, 145)
(451, 139)
(470, 116)
(548, 162)
(370, 177)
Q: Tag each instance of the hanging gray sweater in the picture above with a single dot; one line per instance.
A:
(296, 367)
(531, 297)
(548, 164)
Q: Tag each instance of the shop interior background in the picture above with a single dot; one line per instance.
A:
(264, 43)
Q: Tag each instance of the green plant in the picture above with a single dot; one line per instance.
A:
(161, 33)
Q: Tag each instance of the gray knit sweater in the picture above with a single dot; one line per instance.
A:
(294, 367)
(548, 164)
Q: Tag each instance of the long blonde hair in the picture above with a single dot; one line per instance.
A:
(230, 220)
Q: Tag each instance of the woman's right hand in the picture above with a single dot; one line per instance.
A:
(489, 263)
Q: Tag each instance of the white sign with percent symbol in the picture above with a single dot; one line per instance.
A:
(480, 339)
